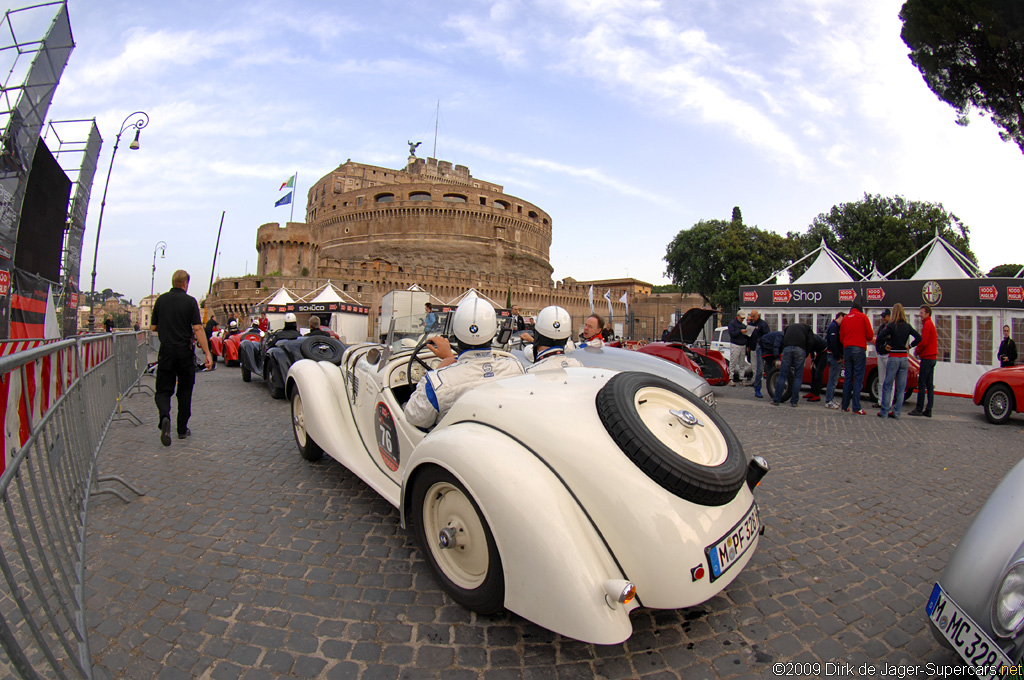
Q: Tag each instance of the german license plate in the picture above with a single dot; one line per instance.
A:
(727, 550)
(968, 638)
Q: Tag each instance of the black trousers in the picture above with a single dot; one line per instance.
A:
(175, 365)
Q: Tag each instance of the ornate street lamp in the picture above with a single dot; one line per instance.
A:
(162, 247)
(137, 120)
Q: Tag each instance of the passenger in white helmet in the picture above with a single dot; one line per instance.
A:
(289, 332)
(553, 328)
(474, 324)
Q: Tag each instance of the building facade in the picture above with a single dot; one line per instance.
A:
(370, 230)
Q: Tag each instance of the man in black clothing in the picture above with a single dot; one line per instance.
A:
(177, 323)
(797, 342)
(314, 327)
(518, 323)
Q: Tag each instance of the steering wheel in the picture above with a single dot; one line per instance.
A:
(415, 359)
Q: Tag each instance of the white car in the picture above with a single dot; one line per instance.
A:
(569, 497)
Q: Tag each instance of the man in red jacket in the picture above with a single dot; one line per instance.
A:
(928, 352)
(855, 333)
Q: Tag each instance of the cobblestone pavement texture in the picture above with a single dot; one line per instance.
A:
(244, 561)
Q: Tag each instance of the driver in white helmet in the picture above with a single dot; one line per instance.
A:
(474, 324)
(553, 328)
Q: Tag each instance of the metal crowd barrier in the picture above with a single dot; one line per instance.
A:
(57, 401)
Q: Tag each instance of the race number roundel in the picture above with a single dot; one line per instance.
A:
(387, 437)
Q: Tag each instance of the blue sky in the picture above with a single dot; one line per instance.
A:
(626, 120)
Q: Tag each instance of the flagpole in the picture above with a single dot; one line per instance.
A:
(295, 184)
(214, 267)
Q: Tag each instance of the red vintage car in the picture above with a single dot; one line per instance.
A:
(678, 348)
(871, 386)
(227, 347)
(1000, 392)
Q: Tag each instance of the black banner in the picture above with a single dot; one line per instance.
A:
(1001, 293)
(317, 308)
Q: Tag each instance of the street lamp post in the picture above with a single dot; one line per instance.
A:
(137, 120)
(162, 247)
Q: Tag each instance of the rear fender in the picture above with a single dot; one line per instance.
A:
(555, 561)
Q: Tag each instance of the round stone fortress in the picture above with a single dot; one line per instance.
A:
(430, 214)
(370, 230)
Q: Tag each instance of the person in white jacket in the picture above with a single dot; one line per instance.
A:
(474, 324)
(553, 328)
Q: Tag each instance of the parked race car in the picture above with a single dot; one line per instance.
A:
(977, 606)
(1000, 392)
(233, 342)
(270, 359)
(679, 348)
(569, 496)
(872, 386)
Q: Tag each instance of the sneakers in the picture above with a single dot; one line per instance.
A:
(186, 434)
(832, 405)
(859, 413)
(165, 431)
(813, 397)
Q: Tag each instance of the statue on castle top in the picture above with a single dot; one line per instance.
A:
(412, 148)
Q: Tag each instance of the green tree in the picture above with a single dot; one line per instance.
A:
(971, 54)
(1005, 270)
(737, 216)
(713, 258)
(882, 232)
(666, 288)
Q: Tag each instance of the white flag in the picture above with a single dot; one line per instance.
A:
(625, 300)
(591, 296)
(608, 297)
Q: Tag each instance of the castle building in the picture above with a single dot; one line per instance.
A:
(370, 230)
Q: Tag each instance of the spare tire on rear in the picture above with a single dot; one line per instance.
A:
(674, 437)
(322, 348)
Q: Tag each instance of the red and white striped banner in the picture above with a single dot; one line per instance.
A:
(24, 400)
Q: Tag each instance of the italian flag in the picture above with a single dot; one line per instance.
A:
(289, 183)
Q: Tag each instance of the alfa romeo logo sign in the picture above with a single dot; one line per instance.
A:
(931, 292)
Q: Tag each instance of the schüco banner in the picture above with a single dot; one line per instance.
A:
(1004, 293)
(317, 307)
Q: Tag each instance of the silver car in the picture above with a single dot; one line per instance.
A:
(977, 606)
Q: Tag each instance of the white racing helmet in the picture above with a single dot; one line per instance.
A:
(554, 322)
(232, 324)
(289, 318)
(474, 322)
(552, 328)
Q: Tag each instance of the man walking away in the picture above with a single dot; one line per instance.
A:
(835, 360)
(928, 352)
(738, 350)
(855, 334)
(177, 323)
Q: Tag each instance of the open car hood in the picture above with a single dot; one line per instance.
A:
(690, 325)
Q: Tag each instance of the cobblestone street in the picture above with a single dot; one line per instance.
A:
(245, 561)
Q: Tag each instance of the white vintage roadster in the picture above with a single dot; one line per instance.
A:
(569, 497)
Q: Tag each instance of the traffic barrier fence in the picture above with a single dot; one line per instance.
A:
(57, 400)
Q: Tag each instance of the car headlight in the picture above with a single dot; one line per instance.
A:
(1008, 604)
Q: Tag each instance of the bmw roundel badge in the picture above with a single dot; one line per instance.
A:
(473, 328)
(556, 325)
